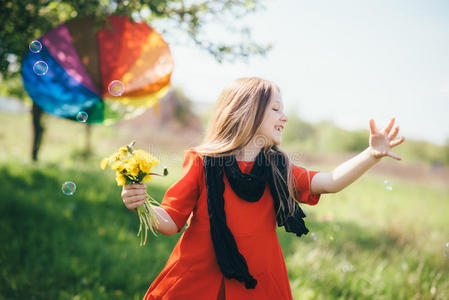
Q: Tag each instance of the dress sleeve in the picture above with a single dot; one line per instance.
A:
(181, 197)
(303, 180)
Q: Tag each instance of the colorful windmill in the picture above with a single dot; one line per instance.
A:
(110, 70)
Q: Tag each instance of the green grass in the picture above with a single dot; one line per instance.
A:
(371, 243)
(62, 247)
(72, 247)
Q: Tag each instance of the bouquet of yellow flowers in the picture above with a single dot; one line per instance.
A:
(134, 166)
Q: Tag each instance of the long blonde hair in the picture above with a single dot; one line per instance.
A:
(235, 121)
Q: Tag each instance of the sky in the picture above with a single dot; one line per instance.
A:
(343, 61)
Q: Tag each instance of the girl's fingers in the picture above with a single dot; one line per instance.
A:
(136, 204)
(372, 126)
(393, 134)
(132, 199)
(133, 192)
(134, 186)
(397, 142)
(394, 155)
(388, 128)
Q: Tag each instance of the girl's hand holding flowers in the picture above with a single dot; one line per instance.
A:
(133, 195)
(381, 142)
(132, 171)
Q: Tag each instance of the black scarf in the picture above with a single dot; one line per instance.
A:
(249, 187)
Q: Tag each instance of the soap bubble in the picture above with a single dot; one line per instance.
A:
(313, 236)
(446, 250)
(387, 185)
(116, 88)
(82, 116)
(35, 46)
(68, 188)
(40, 68)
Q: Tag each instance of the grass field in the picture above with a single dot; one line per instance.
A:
(370, 242)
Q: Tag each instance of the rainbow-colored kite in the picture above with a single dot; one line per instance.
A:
(78, 60)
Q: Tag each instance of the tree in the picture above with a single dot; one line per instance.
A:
(183, 108)
(25, 20)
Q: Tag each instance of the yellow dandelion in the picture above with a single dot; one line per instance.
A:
(145, 160)
(144, 165)
(134, 172)
(123, 149)
(104, 163)
(154, 161)
(115, 157)
(120, 179)
(141, 155)
(118, 165)
(132, 166)
(128, 164)
(146, 178)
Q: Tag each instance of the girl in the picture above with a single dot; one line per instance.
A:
(237, 185)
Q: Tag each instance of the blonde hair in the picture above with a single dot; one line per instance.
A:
(235, 121)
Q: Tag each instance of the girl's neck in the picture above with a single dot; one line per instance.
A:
(247, 154)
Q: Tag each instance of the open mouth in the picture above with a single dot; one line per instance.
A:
(278, 128)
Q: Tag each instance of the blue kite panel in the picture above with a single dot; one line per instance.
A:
(56, 92)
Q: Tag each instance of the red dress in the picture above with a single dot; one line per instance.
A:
(192, 271)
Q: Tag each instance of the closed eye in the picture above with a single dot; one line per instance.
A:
(275, 109)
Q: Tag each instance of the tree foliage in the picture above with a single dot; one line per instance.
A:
(26, 20)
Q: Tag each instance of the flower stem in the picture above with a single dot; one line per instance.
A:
(147, 218)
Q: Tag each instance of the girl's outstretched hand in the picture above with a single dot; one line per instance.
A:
(381, 142)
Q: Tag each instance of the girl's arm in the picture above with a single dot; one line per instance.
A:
(380, 145)
(166, 225)
(133, 196)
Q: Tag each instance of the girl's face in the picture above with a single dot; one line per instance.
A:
(274, 120)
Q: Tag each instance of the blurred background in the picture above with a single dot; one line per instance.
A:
(338, 64)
